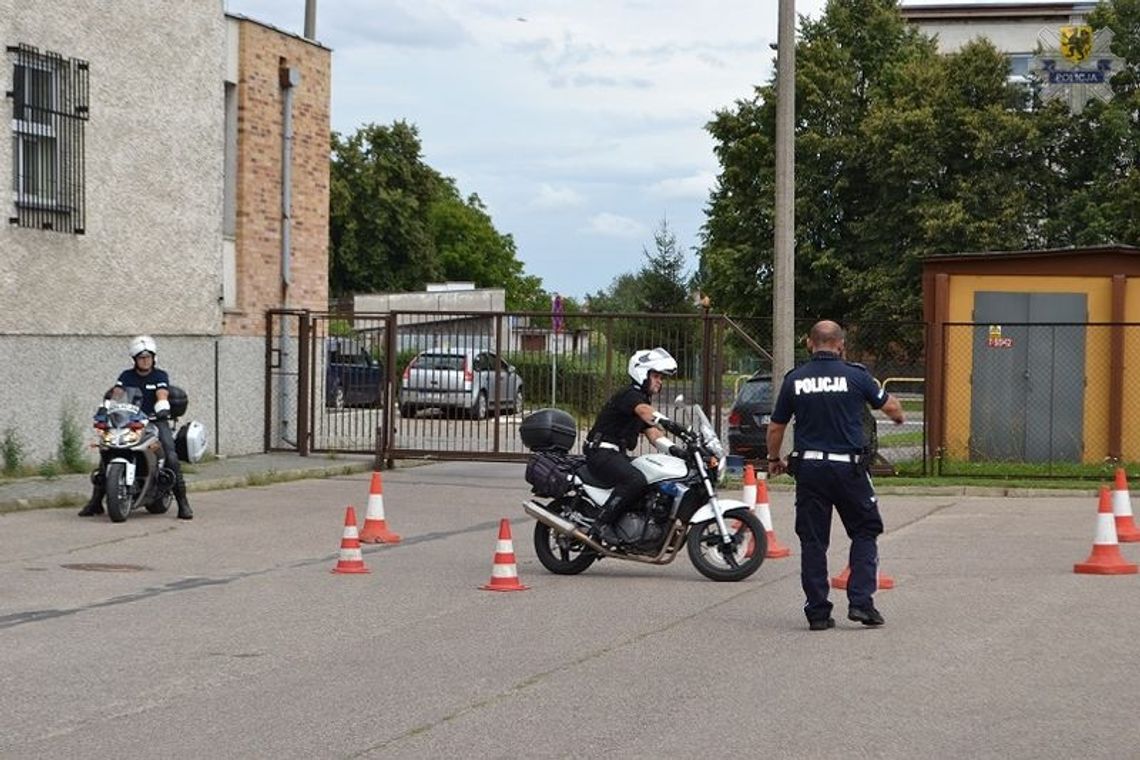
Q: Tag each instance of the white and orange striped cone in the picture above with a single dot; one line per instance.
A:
(375, 530)
(748, 494)
(350, 560)
(504, 573)
(840, 581)
(776, 550)
(1126, 530)
(1105, 558)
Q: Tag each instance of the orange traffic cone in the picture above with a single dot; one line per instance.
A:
(350, 560)
(375, 530)
(840, 581)
(1126, 530)
(1105, 558)
(504, 574)
(748, 495)
(776, 550)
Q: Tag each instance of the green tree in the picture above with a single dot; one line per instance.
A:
(380, 193)
(900, 153)
(397, 224)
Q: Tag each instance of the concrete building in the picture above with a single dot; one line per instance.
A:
(1013, 27)
(147, 171)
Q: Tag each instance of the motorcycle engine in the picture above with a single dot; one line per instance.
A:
(638, 531)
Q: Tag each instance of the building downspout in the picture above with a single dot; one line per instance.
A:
(289, 78)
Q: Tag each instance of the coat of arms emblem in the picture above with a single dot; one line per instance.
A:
(1076, 42)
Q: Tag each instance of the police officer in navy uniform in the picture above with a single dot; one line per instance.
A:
(155, 386)
(826, 396)
(626, 416)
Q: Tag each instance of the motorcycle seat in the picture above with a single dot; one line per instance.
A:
(590, 478)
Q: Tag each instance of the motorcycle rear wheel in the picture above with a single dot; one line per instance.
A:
(561, 554)
(728, 562)
(118, 492)
(160, 506)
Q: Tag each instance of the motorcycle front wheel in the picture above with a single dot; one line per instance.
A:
(720, 561)
(561, 554)
(118, 492)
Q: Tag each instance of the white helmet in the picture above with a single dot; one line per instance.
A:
(651, 360)
(191, 442)
(143, 343)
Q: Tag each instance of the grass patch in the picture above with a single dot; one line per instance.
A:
(909, 438)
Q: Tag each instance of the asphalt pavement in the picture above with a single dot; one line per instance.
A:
(219, 473)
(229, 637)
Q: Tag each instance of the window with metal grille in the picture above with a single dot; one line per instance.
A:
(49, 108)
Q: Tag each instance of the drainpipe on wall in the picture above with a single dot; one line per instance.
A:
(289, 78)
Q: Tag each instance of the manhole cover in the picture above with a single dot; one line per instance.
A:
(103, 567)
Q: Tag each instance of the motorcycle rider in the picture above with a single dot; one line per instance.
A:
(153, 382)
(628, 414)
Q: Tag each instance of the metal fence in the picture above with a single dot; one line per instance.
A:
(347, 383)
(1011, 400)
(1035, 399)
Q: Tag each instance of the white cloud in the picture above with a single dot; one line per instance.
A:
(594, 104)
(694, 187)
(550, 197)
(615, 225)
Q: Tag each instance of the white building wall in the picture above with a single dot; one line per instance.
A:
(150, 260)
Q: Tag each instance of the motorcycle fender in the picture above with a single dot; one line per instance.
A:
(705, 513)
(130, 471)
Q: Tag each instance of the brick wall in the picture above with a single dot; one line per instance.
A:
(262, 53)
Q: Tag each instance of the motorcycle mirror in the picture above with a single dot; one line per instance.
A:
(680, 399)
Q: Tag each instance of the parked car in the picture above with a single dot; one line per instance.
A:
(749, 417)
(752, 411)
(459, 380)
(353, 376)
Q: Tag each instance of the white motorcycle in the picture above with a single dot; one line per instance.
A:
(133, 466)
(726, 540)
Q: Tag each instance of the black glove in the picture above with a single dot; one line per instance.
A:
(162, 414)
(671, 427)
(678, 451)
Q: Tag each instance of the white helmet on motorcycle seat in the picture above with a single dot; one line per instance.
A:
(143, 343)
(650, 360)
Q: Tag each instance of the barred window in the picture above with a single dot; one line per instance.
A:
(49, 108)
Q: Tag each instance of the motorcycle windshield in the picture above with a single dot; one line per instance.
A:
(124, 407)
(708, 433)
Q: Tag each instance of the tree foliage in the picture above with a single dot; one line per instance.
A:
(397, 224)
(661, 286)
(902, 153)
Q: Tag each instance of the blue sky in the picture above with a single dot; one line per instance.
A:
(580, 123)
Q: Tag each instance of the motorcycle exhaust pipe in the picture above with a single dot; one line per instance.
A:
(562, 526)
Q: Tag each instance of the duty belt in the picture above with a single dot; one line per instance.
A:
(829, 456)
(604, 445)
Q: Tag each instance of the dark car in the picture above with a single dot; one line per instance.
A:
(749, 417)
(752, 411)
(353, 376)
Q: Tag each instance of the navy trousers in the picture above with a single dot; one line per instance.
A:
(820, 484)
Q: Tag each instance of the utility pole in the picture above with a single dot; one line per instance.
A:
(784, 260)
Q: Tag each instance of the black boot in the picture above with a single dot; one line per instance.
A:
(184, 511)
(603, 527)
(94, 505)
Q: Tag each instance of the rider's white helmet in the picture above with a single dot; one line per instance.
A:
(651, 360)
(143, 343)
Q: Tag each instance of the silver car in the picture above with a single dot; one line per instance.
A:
(460, 380)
